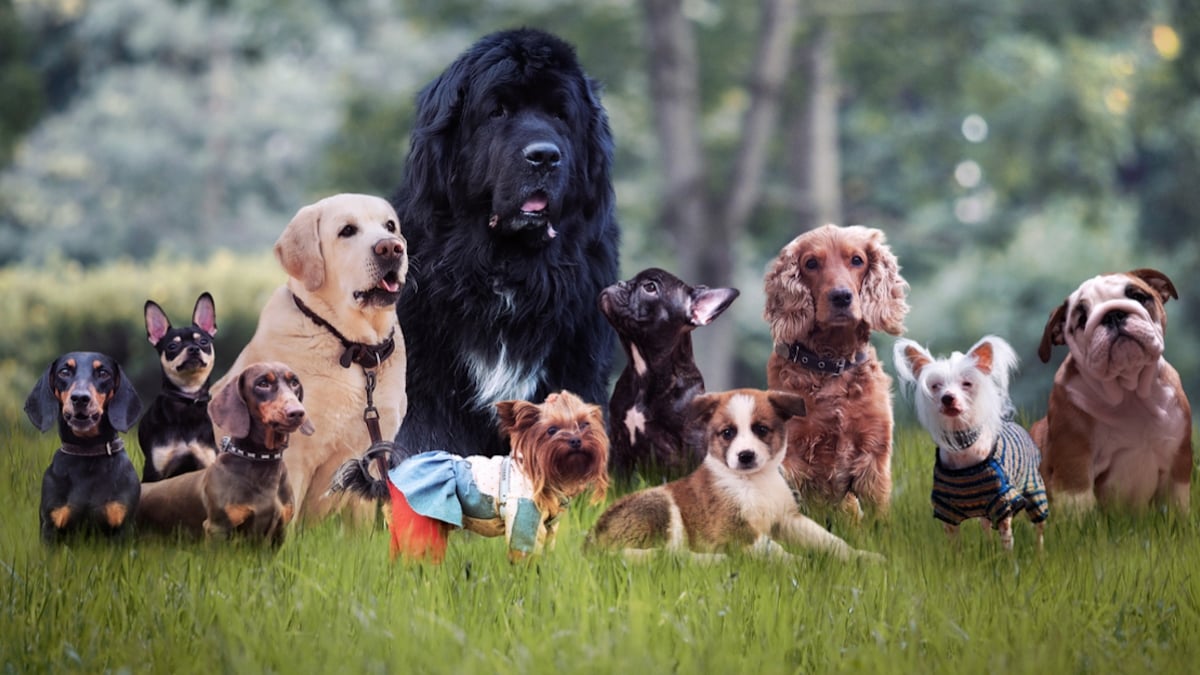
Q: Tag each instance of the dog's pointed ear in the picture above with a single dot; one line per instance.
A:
(787, 405)
(1053, 334)
(982, 353)
(709, 303)
(1160, 282)
(298, 249)
(516, 415)
(42, 406)
(204, 314)
(125, 405)
(157, 323)
(909, 358)
(1001, 359)
(883, 289)
(228, 409)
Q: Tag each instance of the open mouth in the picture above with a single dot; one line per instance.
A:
(533, 216)
(385, 291)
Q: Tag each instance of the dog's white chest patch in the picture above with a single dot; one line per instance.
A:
(639, 362)
(502, 378)
(635, 422)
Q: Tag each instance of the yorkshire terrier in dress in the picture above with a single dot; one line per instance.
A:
(987, 464)
(559, 451)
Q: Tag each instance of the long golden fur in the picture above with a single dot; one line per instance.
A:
(826, 292)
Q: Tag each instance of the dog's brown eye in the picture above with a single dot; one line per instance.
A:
(811, 264)
(761, 430)
(390, 226)
(856, 261)
(348, 231)
(1137, 296)
(967, 385)
(584, 426)
(551, 431)
(728, 433)
(64, 373)
(650, 287)
(497, 112)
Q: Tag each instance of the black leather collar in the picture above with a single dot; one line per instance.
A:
(365, 355)
(799, 354)
(200, 398)
(94, 449)
(228, 446)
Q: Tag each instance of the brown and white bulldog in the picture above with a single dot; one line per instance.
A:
(1119, 428)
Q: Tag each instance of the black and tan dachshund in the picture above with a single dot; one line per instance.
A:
(91, 483)
(246, 490)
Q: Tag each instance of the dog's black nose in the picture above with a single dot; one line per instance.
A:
(542, 154)
(80, 399)
(947, 400)
(841, 297)
(389, 248)
(575, 443)
(746, 457)
(1115, 318)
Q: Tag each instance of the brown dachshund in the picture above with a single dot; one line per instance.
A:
(826, 292)
(246, 489)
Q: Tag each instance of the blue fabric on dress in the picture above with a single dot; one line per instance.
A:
(440, 485)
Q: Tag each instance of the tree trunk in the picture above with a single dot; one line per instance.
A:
(815, 153)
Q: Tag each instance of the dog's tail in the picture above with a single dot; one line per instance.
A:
(356, 476)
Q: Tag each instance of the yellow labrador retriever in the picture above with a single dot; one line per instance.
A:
(334, 323)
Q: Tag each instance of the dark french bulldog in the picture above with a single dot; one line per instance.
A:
(654, 315)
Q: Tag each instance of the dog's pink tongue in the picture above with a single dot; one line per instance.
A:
(389, 286)
(536, 203)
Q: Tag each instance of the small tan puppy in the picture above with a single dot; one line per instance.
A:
(1119, 427)
(737, 499)
(245, 490)
(334, 322)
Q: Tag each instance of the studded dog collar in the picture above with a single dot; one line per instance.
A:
(228, 446)
(799, 354)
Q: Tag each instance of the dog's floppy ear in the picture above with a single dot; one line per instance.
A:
(42, 406)
(157, 323)
(298, 249)
(428, 170)
(125, 405)
(1053, 333)
(599, 147)
(789, 308)
(709, 303)
(883, 289)
(787, 405)
(204, 314)
(700, 410)
(229, 411)
(909, 359)
(1158, 281)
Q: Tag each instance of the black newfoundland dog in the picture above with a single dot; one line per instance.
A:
(508, 207)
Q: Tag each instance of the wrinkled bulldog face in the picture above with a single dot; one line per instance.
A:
(1114, 325)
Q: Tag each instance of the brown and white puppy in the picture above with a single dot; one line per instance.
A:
(1118, 429)
(826, 292)
(333, 322)
(737, 499)
(245, 491)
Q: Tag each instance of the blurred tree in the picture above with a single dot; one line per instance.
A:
(20, 86)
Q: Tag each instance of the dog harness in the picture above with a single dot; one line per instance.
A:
(1004, 484)
(451, 489)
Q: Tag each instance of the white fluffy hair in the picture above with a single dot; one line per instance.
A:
(978, 379)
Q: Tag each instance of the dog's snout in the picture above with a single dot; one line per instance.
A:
(542, 154)
(1115, 318)
(947, 400)
(389, 248)
(575, 443)
(295, 413)
(80, 399)
(745, 457)
(841, 297)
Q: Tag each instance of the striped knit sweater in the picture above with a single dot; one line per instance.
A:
(1002, 485)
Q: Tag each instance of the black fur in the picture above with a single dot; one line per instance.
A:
(355, 476)
(654, 315)
(85, 484)
(507, 204)
(177, 418)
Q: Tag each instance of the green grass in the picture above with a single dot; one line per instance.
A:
(1110, 593)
